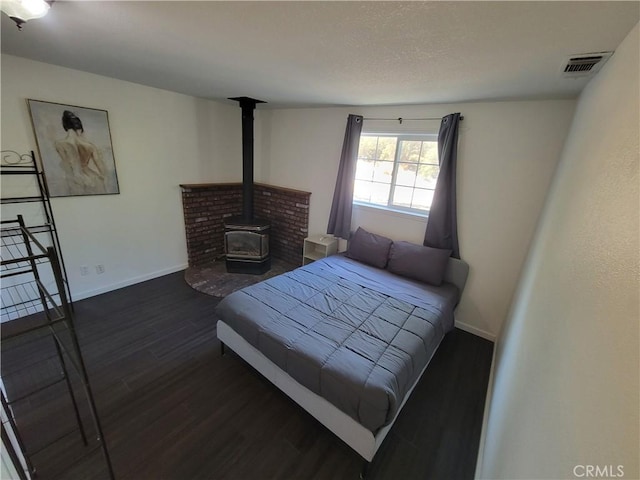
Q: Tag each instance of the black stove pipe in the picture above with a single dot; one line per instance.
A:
(247, 105)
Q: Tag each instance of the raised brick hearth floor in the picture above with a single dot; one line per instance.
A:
(214, 280)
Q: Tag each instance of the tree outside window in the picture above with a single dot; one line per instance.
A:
(397, 171)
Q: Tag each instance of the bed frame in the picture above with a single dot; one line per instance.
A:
(359, 438)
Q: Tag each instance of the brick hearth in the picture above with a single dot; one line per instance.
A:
(207, 205)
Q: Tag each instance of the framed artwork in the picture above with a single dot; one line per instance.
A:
(75, 149)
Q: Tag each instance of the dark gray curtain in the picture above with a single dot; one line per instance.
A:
(442, 226)
(340, 216)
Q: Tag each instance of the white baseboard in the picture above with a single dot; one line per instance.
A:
(476, 331)
(127, 282)
(108, 288)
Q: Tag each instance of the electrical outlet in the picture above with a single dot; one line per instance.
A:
(99, 269)
(84, 271)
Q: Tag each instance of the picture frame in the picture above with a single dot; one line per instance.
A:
(76, 152)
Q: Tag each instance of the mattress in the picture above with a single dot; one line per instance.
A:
(356, 335)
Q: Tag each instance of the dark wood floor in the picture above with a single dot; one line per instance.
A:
(173, 408)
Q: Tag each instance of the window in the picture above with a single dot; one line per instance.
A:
(397, 171)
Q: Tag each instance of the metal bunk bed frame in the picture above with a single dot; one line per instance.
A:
(24, 294)
(56, 313)
(14, 163)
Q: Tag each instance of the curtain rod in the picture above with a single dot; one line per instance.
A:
(400, 119)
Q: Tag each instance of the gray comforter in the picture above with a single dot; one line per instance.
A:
(354, 334)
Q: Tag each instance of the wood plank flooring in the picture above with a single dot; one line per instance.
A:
(172, 408)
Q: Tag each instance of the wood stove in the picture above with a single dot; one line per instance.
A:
(246, 238)
(247, 245)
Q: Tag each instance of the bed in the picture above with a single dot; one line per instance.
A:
(346, 340)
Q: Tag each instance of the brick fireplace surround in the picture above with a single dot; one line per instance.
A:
(207, 205)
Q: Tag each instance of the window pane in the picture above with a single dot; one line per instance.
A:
(362, 191)
(402, 196)
(367, 147)
(386, 148)
(414, 175)
(382, 172)
(422, 199)
(410, 150)
(364, 169)
(427, 176)
(380, 193)
(406, 174)
(429, 153)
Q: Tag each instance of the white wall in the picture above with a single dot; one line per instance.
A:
(160, 139)
(566, 388)
(508, 152)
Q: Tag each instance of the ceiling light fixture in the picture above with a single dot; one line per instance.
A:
(22, 10)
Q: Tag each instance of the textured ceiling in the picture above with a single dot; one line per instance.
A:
(329, 53)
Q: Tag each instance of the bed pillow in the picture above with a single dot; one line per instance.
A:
(369, 248)
(425, 264)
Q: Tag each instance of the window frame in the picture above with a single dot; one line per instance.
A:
(400, 137)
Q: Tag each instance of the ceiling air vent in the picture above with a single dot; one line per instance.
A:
(584, 65)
